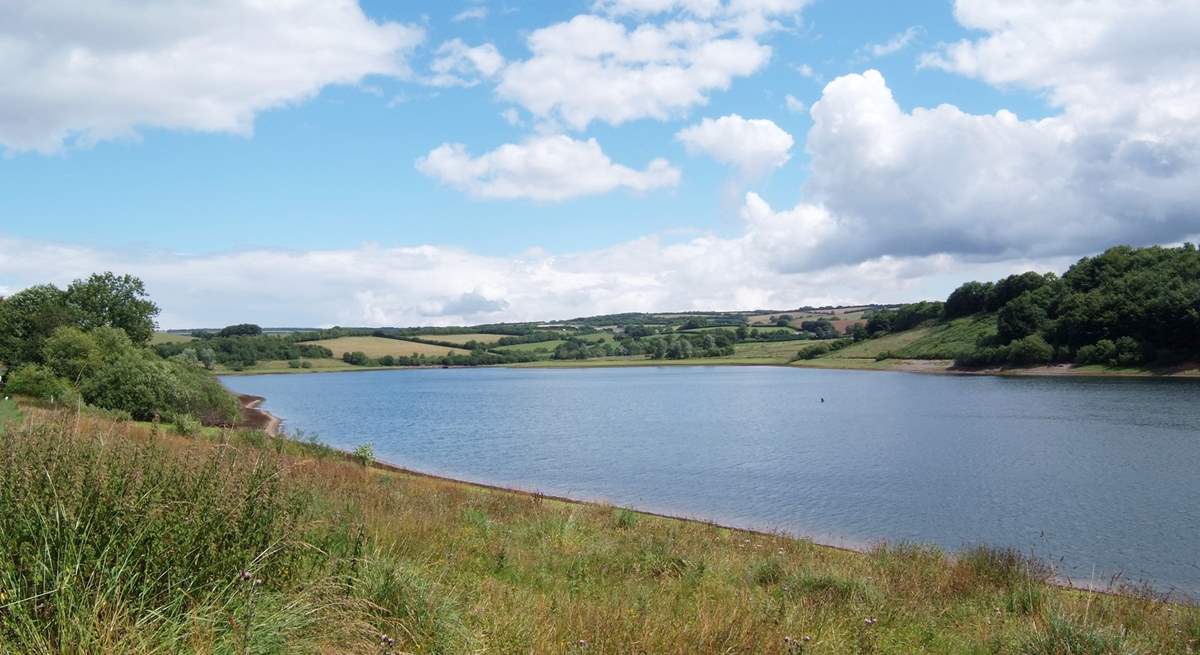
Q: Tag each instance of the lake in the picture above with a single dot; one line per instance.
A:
(1100, 476)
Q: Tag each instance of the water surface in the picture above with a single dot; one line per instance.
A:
(1100, 475)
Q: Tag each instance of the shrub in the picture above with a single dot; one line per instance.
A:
(1064, 637)
(293, 363)
(1128, 352)
(356, 358)
(812, 352)
(624, 518)
(1029, 350)
(187, 426)
(306, 364)
(38, 381)
(365, 454)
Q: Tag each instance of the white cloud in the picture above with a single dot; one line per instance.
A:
(512, 117)
(472, 13)
(931, 181)
(806, 71)
(1106, 63)
(433, 285)
(895, 44)
(546, 168)
(457, 64)
(794, 104)
(102, 70)
(754, 146)
(596, 68)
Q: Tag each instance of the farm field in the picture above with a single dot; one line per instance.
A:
(379, 346)
(462, 339)
(169, 337)
(540, 346)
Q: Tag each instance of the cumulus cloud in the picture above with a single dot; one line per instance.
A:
(755, 146)
(1117, 164)
(548, 168)
(97, 71)
(1105, 63)
(595, 68)
(457, 64)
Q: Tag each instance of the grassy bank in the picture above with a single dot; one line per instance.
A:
(120, 537)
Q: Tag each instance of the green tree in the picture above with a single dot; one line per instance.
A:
(27, 319)
(1030, 350)
(1020, 318)
(109, 300)
(970, 298)
(37, 381)
(71, 352)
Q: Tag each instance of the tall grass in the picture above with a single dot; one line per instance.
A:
(114, 538)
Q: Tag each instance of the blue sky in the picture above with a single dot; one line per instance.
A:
(329, 164)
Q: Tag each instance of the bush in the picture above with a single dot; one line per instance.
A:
(1030, 350)
(365, 454)
(187, 426)
(357, 358)
(306, 364)
(1128, 352)
(814, 351)
(293, 363)
(38, 381)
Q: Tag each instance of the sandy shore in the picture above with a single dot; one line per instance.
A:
(255, 417)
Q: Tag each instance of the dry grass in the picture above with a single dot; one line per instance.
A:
(447, 567)
(378, 347)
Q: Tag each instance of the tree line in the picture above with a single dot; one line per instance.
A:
(89, 344)
(1125, 307)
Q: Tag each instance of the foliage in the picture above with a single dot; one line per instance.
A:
(970, 298)
(27, 319)
(240, 330)
(111, 546)
(905, 317)
(365, 454)
(37, 381)
(116, 301)
(1125, 307)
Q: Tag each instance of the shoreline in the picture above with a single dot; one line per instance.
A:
(918, 366)
(252, 405)
(865, 549)
(254, 417)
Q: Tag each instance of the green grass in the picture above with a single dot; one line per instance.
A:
(9, 413)
(169, 337)
(546, 346)
(141, 536)
(282, 366)
(380, 346)
(937, 341)
(462, 339)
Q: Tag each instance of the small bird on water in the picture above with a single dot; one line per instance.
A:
(822, 400)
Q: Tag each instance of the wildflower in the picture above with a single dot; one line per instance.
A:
(869, 622)
(245, 576)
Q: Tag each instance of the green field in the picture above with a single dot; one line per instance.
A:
(938, 341)
(461, 339)
(355, 551)
(169, 337)
(375, 347)
(540, 346)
